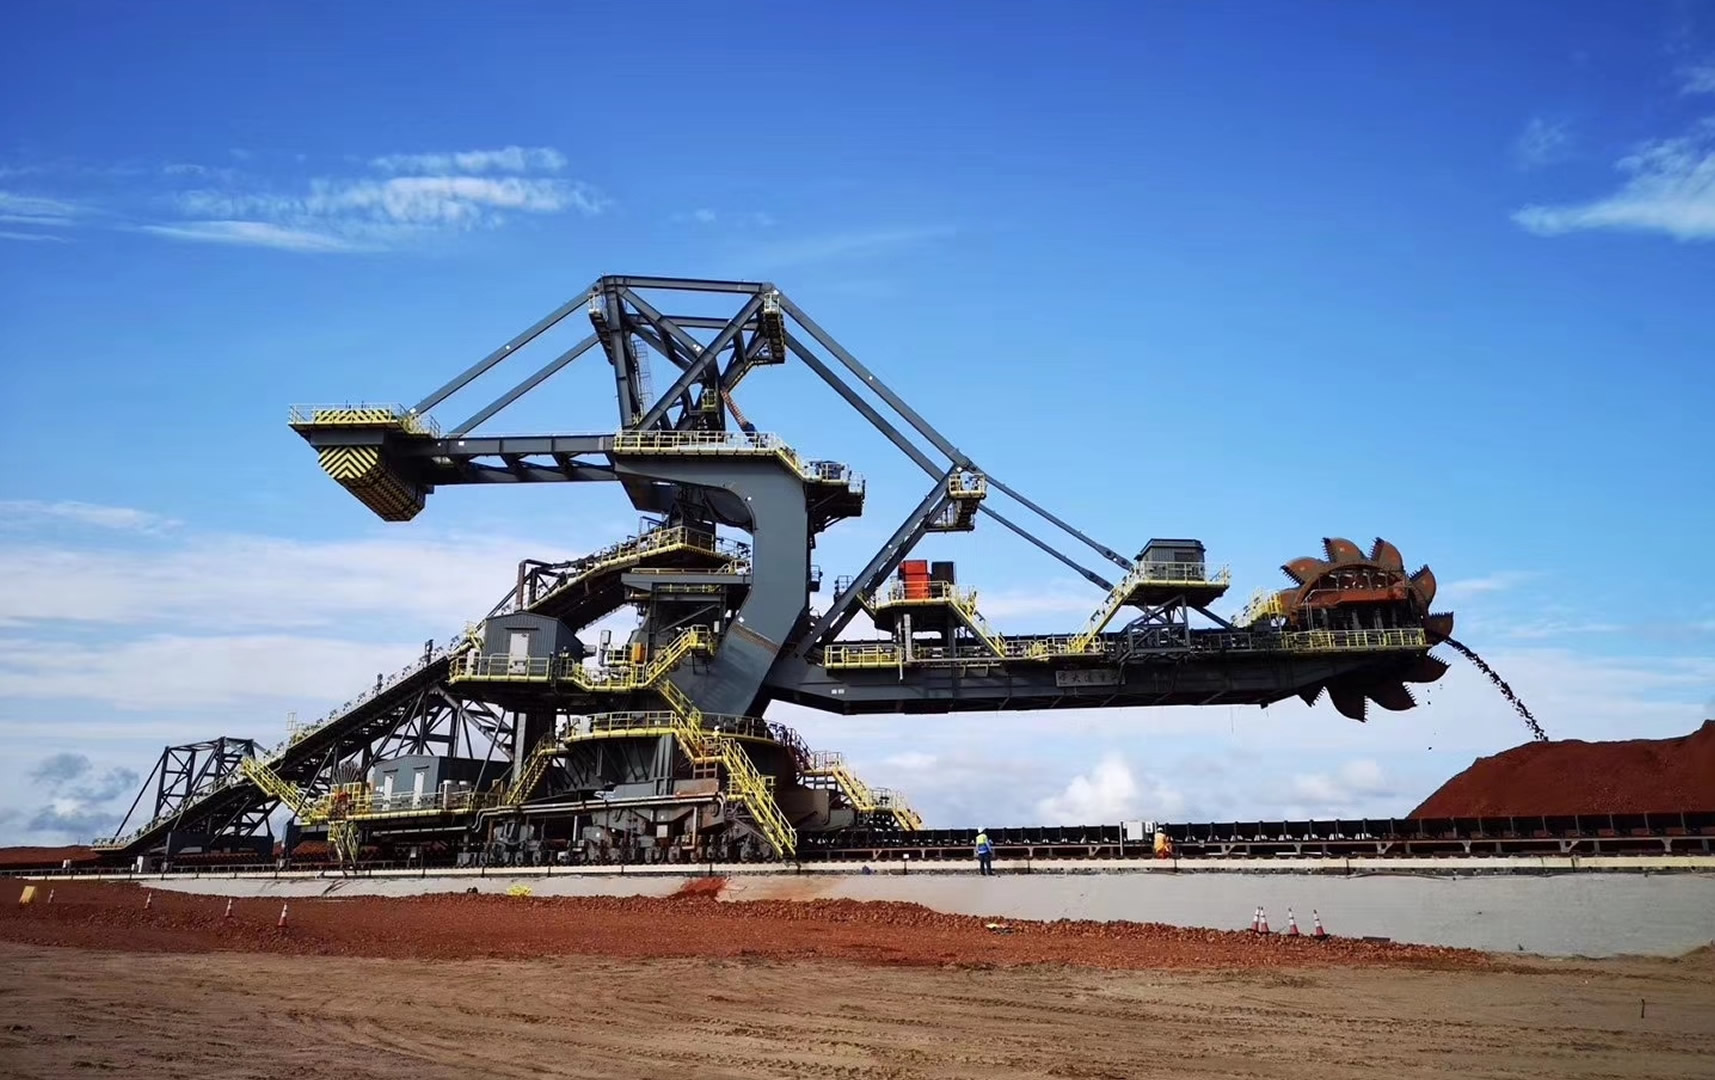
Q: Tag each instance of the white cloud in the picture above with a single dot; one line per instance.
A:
(1699, 79)
(1553, 627)
(508, 159)
(365, 214)
(8, 235)
(1497, 581)
(1337, 794)
(449, 200)
(443, 193)
(1058, 597)
(435, 580)
(1110, 792)
(37, 210)
(27, 513)
(706, 216)
(846, 245)
(1671, 190)
(172, 670)
(251, 234)
(1542, 142)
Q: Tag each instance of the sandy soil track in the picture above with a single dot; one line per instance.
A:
(76, 1013)
(689, 987)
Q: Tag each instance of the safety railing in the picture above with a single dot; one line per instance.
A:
(254, 771)
(925, 592)
(729, 443)
(841, 655)
(205, 791)
(547, 582)
(831, 764)
(745, 784)
(533, 772)
(1179, 573)
(965, 603)
(1264, 604)
(794, 742)
(364, 414)
(967, 485)
(1145, 573)
(895, 803)
(502, 667)
(1314, 641)
(869, 654)
(454, 647)
(755, 792)
(652, 722)
(369, 803)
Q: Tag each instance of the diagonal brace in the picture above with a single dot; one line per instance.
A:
(926, 429)
(886, 561)
(542, 374)
(464, 377)
(704, 357)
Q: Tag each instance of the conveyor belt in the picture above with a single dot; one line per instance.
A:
(1673, 832)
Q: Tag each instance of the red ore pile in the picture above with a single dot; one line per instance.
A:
(1635, 776)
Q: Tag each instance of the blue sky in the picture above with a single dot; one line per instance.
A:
(1253, 273)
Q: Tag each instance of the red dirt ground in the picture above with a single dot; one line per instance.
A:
(1635, 776)
(490, 925)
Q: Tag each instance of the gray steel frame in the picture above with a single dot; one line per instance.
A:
(770, 640)
(184, 774)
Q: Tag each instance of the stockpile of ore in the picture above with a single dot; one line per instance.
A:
(1577, 777)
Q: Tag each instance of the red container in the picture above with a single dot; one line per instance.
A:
(912, 568)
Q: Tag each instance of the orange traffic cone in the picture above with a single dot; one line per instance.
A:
(1291, 924)
(1318, 931)
(1262, 917)
(229, 907)
(1256, 920)
(282, 923)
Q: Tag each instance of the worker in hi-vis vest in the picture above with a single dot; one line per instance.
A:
(985, 852)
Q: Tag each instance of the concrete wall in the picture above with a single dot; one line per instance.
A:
(1567, 914)
(1561, 915)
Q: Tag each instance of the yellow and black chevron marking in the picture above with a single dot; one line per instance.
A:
(354, 418)
(361, 471)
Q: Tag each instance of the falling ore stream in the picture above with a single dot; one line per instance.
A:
(1501, 685)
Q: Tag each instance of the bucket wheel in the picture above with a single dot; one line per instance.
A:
(1350, 589)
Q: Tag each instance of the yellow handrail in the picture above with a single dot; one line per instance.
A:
(655, 542)
(881, 654)
(855, 790)
(615, 678)
(745, 784)
(534, 770)
(342, 834)
(1264, 604)
(894, 802)
(363, 414)
(1141, 574)
(963, 601)
(273, 784)
(734, 442)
